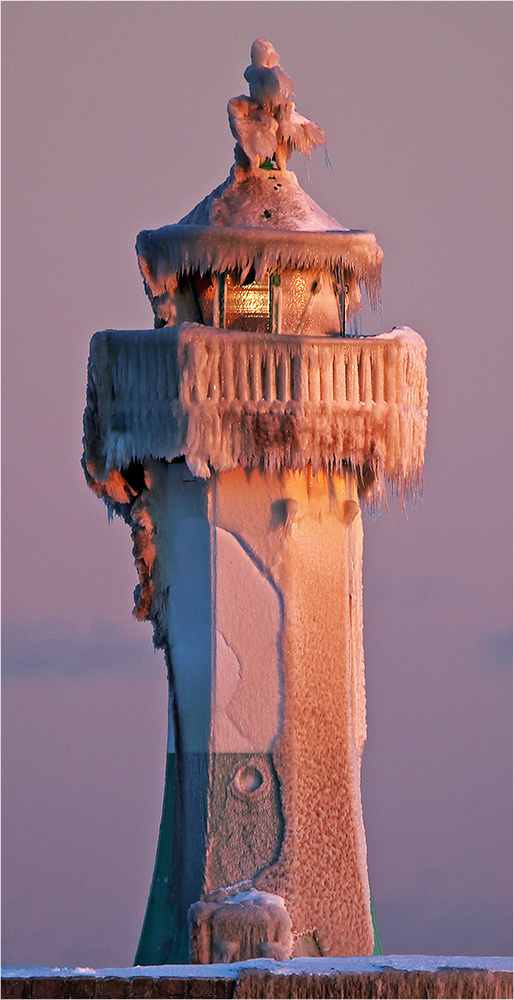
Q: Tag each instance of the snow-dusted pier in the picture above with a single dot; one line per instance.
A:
(397, 976)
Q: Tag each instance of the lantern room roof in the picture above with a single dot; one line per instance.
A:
(267, 197)
(183, 249)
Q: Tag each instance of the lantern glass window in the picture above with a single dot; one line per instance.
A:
(247, 307)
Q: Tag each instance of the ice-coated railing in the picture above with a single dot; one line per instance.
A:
(225, 399)
(254, 367)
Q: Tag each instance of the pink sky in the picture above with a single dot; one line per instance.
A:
(115, 121)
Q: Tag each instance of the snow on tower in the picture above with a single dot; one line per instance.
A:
(239, 439)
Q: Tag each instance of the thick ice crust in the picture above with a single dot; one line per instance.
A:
(353, 257)
(271, 199)
(233, 926)
(175, 249)
(253, 400)
(261, 220)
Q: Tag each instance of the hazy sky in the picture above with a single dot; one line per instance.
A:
(114, 120)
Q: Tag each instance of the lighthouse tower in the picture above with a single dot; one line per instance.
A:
(240, 439)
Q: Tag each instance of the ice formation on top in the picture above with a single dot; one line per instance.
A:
(266, 124)
(258, 222)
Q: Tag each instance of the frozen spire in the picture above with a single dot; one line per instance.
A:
(266, 124)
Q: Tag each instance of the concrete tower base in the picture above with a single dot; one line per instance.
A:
(259, 581)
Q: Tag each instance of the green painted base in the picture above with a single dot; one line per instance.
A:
(164, 938)
(176, 884)
(243, 795)
(377, 950)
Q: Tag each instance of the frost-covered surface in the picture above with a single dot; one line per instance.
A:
(266, 124)
(317, 541)
(225, 926)
(253, 400)
(271, 548)
(313, 966)
(265, 199)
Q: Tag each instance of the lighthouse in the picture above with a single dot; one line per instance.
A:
(241, 438)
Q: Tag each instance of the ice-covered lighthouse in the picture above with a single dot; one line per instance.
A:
(239, 439)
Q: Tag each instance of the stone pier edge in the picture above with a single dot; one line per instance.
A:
(366, 977)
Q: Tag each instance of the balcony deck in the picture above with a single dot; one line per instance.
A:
(227, 399)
